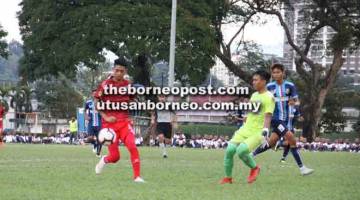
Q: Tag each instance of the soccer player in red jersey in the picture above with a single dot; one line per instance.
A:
(2, 113)
(118, 120)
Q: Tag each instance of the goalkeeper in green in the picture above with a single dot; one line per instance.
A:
(254, 132)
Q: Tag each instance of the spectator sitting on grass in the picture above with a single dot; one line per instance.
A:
(182, 140)
(175, 139)
(139, 140)
(152, 141)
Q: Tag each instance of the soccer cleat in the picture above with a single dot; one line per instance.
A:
(306, 171)
(94, 150)
(226, 180)
(282, 160)
(100, 166)
(98, 155)
(253, 174)
(165, 156)
(139, 180)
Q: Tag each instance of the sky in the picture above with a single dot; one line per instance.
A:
(269, 36)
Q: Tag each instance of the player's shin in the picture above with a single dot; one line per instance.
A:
(135, 161)
(286, 152)
(229, 159)
(296, 156)
(244, 154)
(261, 149)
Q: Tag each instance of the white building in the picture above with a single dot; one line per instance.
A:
(351, 115)
(319, 51)
(34, 122)
(222, 73)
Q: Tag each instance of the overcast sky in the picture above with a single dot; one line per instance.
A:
(269, 36)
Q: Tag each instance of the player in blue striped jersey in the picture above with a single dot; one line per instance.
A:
(294, 115)
(94, 125)
(283, 91)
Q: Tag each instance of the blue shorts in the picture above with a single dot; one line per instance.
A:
(279, 127)
(93, 130)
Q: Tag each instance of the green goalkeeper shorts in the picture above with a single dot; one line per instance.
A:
(253, 139)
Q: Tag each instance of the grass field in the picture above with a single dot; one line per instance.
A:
(67, 172)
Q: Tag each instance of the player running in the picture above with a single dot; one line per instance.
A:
(252, 134)
(283, 91)
(118, 120)
(294, 115)
(94, 124)
(165, 120)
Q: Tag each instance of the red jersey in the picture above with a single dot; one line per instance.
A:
(99, 94)
(2, 112)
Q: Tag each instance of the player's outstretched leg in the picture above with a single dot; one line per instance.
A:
(272, 141)
(294, 151)
(112, 157)
(244, 154)
(228, 163)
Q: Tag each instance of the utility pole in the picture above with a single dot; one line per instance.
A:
(172, 44)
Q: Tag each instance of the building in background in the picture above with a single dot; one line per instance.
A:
(319, 51)
(223, 74)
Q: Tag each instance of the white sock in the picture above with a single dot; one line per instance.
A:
(163, 148)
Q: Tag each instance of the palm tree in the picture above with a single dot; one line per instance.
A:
(20, 100)
(4, 94)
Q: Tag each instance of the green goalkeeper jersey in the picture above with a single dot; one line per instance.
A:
(255, 121)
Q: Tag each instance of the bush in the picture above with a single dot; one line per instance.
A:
(211, 129)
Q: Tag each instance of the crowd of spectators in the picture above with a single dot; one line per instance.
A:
(323, 144)
(189, 141)
(195, 141)
(61, 138)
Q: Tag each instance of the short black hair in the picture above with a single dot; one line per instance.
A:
(277, 66)
(263, 74)
(121, 61)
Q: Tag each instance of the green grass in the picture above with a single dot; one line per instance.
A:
(67, 172)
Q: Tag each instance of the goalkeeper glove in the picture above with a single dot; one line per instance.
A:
(265, 132)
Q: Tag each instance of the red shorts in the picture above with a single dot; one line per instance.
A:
(122, 129)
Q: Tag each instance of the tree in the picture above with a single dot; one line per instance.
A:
(4, 95)
(225, 12)
(60, 35)
(339, 16)
(9, 67)
(17, 97)
(333, 119)
(160, 74)
(356, 126)
(213, 81)
(3, 44)
(253, 58)
(88, 79)
(57, 97)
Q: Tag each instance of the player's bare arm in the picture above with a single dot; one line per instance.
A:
(107, 118)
